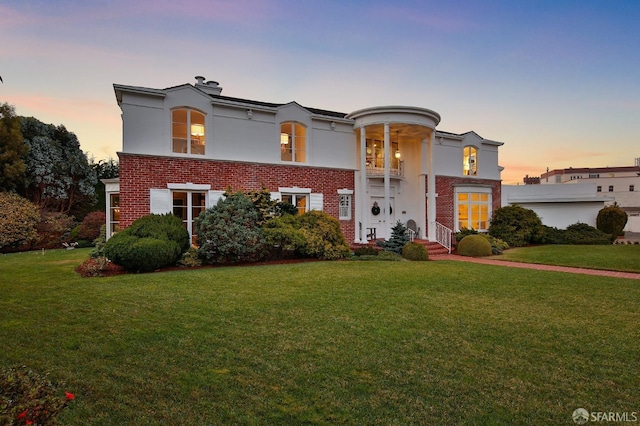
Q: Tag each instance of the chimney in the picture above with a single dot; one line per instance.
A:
(211, 87)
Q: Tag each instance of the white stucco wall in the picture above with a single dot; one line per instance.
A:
(557, 205)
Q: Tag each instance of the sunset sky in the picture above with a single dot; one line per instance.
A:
(557, 81)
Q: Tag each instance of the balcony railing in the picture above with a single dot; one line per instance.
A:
(393, 171)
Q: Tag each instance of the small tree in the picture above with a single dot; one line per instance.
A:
(19, 219)
(230, 231)
(516, 225)
(12, 148)
(399, 237)
(612, 220)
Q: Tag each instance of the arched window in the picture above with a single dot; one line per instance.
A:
(293, 142)
(187, 131)
(470, 161)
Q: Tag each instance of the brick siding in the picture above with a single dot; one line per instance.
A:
(445, 202)
(139, 173)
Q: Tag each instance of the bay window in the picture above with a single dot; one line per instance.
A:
(473, 208)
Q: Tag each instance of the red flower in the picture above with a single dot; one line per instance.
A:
(69, 396)
(22, 415)
(28, 422)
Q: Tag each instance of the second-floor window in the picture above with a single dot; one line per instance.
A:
(470, 161)
(187, 131)
(293, 142)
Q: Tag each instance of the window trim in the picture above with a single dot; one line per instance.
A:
(189, 111)
(473, 190)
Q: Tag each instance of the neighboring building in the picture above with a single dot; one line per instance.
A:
(584, 193)
(558, 205)
(184, 146)
(620, 185)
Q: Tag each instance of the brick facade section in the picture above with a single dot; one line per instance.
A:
(139, 173)
(445, 202)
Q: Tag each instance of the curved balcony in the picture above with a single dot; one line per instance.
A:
(395, 171)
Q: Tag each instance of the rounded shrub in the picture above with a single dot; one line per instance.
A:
(612, 220)
(18, 221)
(415, 251)
(150, 243)
(516, 225)
(474, 246)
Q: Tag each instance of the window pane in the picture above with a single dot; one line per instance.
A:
(463, 197)
(463, 216)
(180, 206)
(484, 197)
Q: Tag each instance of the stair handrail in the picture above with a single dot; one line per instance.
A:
(443, 236)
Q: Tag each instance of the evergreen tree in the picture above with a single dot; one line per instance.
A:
(399, 237)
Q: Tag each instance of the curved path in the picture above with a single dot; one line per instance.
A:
(600, 272)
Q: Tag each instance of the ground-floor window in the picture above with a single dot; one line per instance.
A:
(114, 213)
(344, 211)
(473, 207)
(301, 201)
(188, 205)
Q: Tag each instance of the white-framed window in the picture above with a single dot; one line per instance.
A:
(293, 142)
(301, 201)
(114, 213)
(470, 161)
(344, 212)
(188, 135)
(599, 188)
(473, 208)
(188, 205)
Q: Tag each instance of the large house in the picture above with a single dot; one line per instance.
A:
(183, 146)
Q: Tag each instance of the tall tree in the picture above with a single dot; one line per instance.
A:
(58, 175)
(12, 148)
(108, 169)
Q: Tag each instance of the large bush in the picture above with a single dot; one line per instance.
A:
(18, 221)
(151, 242)
(612, 220)
(516, 225)
(230, 231)
(324, 238)
(578, 233)
(284, 236)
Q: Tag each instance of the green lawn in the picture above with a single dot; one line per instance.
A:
(611, 257)
(324, 342)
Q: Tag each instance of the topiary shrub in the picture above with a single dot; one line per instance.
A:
(323, 236)
(151, 242)
(415, 251)
(29, 398)
(516, 225)
(18, 221)
(474, 246)
(612, 220)
(230, 231)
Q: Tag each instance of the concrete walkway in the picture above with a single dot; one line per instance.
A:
(599, 272)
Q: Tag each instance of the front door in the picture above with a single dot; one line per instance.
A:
(377, 217)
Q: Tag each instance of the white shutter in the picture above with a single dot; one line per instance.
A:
(214, 197)
(316, 201)
(160, 201)
(276, 196)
